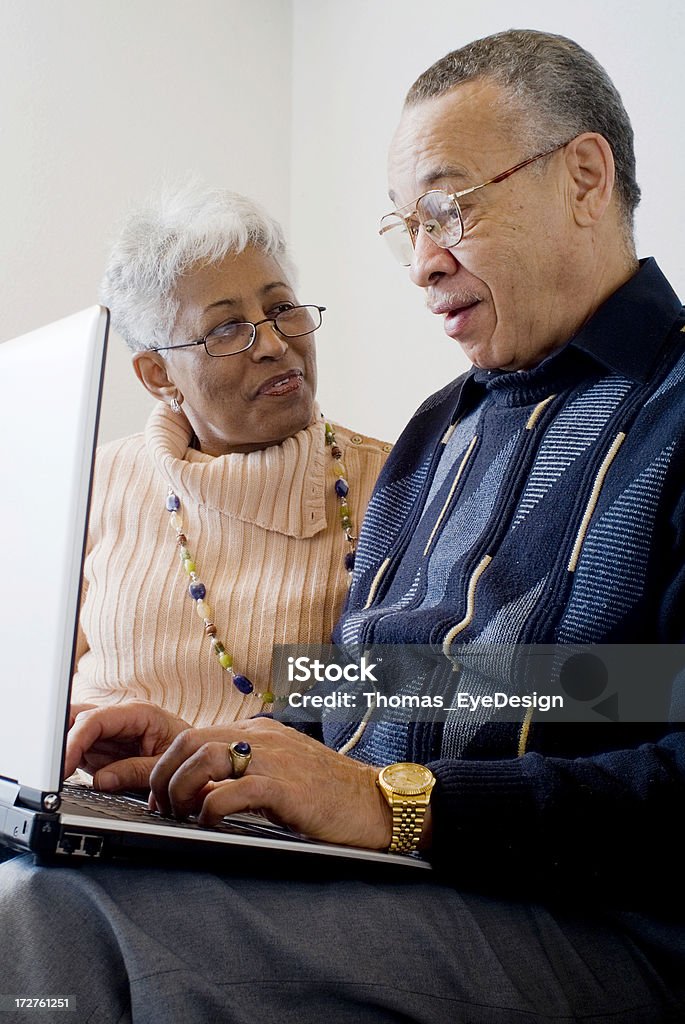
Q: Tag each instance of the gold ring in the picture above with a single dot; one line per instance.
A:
(240, 754)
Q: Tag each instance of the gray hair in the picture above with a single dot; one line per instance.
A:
(561, 91)
(181, 226)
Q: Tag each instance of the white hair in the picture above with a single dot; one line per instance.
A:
(181, 226)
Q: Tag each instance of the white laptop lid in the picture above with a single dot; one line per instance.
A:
(50, 384)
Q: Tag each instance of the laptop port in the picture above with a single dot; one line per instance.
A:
(69, 843)
(92, 845)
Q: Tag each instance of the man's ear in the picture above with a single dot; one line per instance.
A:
(153, 373)
(591, 165)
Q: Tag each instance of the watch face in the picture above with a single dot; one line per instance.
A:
(407, 779)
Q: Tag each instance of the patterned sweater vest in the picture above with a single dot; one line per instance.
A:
(535, 507)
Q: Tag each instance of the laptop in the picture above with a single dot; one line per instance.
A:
(51, 384)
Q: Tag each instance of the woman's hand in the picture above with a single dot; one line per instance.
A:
(119, 744)
(294, 779)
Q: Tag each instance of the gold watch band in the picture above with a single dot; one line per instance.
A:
(407, 789)
(407, 823)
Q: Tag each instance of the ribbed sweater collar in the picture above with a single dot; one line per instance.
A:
(280, 488)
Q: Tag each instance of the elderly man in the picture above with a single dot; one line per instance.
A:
(538, 499)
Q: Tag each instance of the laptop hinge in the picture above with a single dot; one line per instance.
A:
(8, 792)
(38, 800)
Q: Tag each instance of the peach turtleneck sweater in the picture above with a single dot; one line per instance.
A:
(265, 533)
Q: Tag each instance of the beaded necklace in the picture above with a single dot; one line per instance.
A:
(198, 591)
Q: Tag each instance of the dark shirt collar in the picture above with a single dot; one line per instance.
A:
(628, 330)
(625, 335)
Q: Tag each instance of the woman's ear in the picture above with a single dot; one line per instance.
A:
(590, 162)
(153, 373)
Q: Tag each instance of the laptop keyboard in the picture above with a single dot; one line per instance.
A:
(113, 805)
(123, 807)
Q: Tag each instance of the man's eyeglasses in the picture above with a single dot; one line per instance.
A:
(439, 213)
(232, 336)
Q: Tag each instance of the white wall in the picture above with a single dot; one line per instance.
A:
(99, 100)
(381, 351)
(293, 102)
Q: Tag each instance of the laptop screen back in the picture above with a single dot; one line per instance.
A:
(50, 384)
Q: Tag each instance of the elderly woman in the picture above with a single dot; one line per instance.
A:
(228, 525)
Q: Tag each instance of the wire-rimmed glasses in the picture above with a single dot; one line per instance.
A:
(234, 336)
(439, 214)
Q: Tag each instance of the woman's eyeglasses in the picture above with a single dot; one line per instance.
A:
(233, 336)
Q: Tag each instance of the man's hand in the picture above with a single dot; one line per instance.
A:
(294, 779)
(120, 744)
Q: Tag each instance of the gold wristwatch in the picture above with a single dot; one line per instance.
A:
(407, 788)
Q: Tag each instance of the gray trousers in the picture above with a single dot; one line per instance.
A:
(159, 946)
